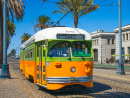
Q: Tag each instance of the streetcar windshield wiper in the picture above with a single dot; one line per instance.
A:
(82, 57)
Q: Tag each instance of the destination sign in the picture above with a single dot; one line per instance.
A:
(70, 36)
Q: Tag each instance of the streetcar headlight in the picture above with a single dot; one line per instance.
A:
(73, 69)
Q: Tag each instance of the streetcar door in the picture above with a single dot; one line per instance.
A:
(44, 64)
(39, 62)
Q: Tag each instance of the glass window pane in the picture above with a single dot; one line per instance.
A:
(43, 53)
(80, 49)
(112, 41)
(60, 50)
(108, 41)
(38, 49)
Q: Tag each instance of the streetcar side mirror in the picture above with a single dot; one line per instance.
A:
(45, 47)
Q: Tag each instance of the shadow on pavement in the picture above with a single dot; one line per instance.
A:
(113, 95)
(99, 87)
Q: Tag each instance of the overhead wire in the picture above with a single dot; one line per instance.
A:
(28, 24)
(44, 1)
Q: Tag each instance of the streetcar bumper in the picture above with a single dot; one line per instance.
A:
(69, 79)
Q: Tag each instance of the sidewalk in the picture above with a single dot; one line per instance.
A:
(112, 64)
(12, 88)
(111, 74)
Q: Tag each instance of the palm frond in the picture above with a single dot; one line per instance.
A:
(42, 22)
(15, 8)
(78, 7)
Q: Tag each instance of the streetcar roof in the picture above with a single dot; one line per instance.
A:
(51, 33)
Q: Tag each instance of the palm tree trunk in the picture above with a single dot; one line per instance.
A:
(1, 35)
(75, 21)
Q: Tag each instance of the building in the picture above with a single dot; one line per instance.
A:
(103, 44)
(125, 42)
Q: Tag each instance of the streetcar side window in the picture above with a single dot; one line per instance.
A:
(20, 55)
(38, 47)
(43, 53)
(28, 54)
(25, 54)
(33, 53)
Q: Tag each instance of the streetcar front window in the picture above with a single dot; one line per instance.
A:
(80, 49)
(60, 50)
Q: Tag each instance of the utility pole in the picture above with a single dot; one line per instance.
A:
(5, 67)
(120, 70)
(101, 54)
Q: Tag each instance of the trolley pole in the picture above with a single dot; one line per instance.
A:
(120, 70)
(5, 67)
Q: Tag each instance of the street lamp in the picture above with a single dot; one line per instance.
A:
(120, 70)
(101, 54)
(5, 67)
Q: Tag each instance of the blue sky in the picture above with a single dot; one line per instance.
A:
(106, 18)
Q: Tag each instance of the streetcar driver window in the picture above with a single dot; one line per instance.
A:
(60, 50)
(80, 49)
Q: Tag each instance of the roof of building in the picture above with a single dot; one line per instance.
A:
(123, 28)
(51, 33)
(99, 33)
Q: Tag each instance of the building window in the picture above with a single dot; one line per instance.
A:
(108, 41)
(123, 37)
(93, 42)
(123, 52)
(126, 36)
(112, 51)
(129, 52)
(97, 41)
(112, 41)
(129, 36)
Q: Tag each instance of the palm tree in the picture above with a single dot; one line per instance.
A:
(25, 37)
(10, 31)
(42, 22)
(8, 41)
(10, 28)
(15, 9)
(13, 51)
(78, 8)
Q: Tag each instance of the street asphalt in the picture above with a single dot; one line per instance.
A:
(106, 84)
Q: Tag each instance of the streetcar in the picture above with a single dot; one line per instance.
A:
(57, 57)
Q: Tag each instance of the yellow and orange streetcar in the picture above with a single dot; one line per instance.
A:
(57, 57)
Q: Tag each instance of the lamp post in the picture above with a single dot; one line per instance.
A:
(101, 54)
(5, 67)
(120, 70)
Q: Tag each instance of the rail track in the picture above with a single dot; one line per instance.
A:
(103, 87)
(68, 91)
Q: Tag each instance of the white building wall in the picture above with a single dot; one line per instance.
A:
(117, 45)
(125, 42)
(103, 44)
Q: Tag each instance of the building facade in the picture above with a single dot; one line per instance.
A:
(103, 44)
(125, 42)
